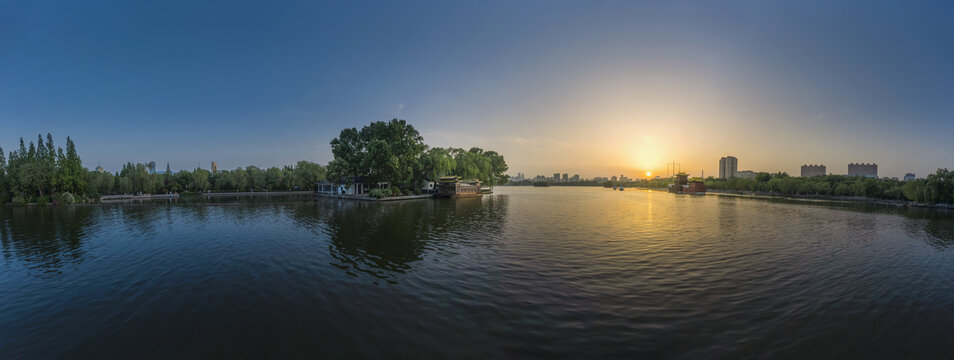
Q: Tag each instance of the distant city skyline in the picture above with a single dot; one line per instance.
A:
(607, 88)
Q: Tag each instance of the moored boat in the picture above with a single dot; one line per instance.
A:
(685, 186)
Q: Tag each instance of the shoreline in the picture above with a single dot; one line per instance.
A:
(829, 198)
(138, 199)
(809, 198)
(143, 199)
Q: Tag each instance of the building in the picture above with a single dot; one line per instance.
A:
(346, 186)
(566, 177)
(556, 177)
(908, 176)
(866, 170)
(728, 166)
(215, 167)
(814, 170)
(99, 169)
(745, 174)
(575, 178)
(613, 179)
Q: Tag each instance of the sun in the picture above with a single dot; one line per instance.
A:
(649, 173)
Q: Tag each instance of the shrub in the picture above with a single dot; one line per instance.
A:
(417, 191)
(43, 200)
(19, 200)
(406, 192)
(66, 198)
(379, 193)
(395, 191)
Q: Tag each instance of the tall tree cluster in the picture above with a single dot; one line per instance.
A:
(40, 170)
(395, 152)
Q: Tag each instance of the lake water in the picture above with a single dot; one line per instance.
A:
(527, 272)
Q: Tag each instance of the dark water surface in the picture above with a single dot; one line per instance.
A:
(527, 272)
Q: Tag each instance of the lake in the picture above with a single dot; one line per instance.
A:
(558, 272)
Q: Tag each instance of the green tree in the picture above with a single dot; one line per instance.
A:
(381, 151)
(436, 162)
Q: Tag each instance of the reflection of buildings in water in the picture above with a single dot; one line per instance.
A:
(728, 215)
(45, 239)
(385, 239)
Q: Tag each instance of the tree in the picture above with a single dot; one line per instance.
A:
(307, 174)
(70, 174)
(436, 162)
(381, 151)
(498, 168)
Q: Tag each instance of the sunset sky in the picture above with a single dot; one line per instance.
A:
(589, 87)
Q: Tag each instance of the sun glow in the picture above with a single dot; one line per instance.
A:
(647, 153)
(649, 173)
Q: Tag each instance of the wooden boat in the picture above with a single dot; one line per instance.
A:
(685, 186)
(452, 186)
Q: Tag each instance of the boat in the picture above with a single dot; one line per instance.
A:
(453, 186)
(685, 186)
(620, 188)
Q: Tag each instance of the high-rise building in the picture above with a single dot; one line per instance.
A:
(566, 177)
(613, 179)
(215, 167)
(908, 176)
(728, 166)
(575, 178)
(814, 170)
(556, 177)
(866, 170)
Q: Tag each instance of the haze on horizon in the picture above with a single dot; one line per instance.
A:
(594, 88)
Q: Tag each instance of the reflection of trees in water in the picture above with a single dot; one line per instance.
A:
(384, 239)
(45, 239)
(935, 227)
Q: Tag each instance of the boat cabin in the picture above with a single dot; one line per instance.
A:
(453, 186)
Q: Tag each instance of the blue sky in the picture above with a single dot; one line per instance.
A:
(588, 87)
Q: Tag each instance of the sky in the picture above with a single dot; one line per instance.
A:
(594, 88)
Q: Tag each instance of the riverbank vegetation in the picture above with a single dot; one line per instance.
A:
(937, 188)
(395, 152)
(42, 173)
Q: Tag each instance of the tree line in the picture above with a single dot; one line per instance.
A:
(395, 152)
(42, 173)
(937, 188)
